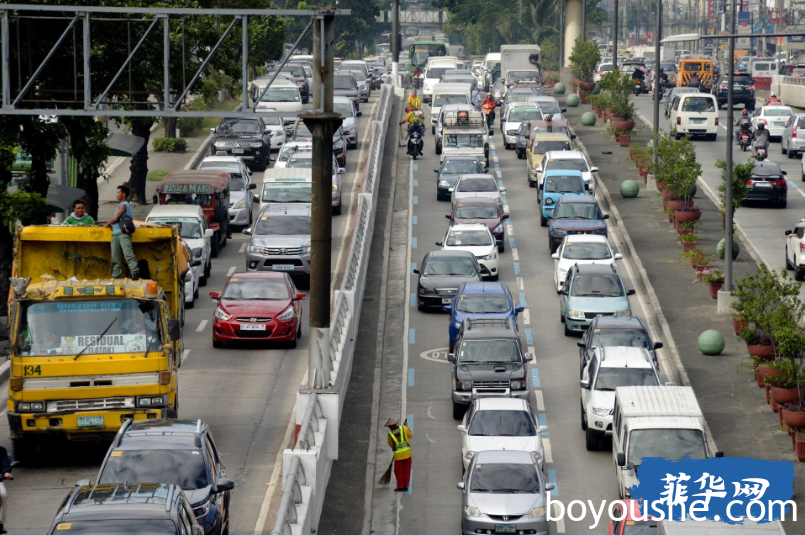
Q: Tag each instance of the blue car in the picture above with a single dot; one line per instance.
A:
(575, 214)
(481, 300)
(557, 183)
(591, 290)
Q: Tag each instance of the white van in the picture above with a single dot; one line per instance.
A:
(287, 185)
(489, 65)
(447, 94)
(661, 422)
(282, 96)
(433, 74)
(695, 114)
(193, 230)
(762, 72)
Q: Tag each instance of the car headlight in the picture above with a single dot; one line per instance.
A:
(601, 412)
(539, 511)
(536, 455)
(239, 205)
(201, 510)
(150, 401)
(198, 252)
(498, 229)
(335, 187)
(256, 144)
(627, 312)
(30, 406)
(575, 314)
(457, 325)
(255, 249)
(304, 250)
(286, 315)
(473, 511)
(492, 256)
(465, 386)
(338, 145)
(548, 201)
(219, 144)
(559, 232)
(517, 385)
(444, 184)
(220, 314)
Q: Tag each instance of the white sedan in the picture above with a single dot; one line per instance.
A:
(191, 282)
(500, 424)
(773, 118)
(581, 249)
(475, 238)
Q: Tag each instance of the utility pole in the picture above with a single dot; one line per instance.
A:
(657, 80)
(395, 43)
(615, 38)
(728, 183)
(322, 124)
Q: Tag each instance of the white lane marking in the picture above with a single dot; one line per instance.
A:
(500, 175)
(515, 255)
(546, 448)
(231, 270)
(427, 436)
(242, 248)
(520, 283)
(510, 229)
(534, 354)
(505, 209)
(526, 317)
(430, 412)
(491, 145)
(494, 158)
(540, 400)
(560, 523)
(202, 325)
(184, 356)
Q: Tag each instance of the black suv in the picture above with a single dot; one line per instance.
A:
(743, 90)
(488, 362)
(180, 452)
(615, 331)
(248, 138)
(125, 509)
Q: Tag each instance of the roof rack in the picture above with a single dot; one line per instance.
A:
(171, 492)
(199, 430)
(487, 322)
(123, 429)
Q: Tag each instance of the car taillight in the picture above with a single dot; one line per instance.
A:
(750, 183)
(794, 133)
(678, 120)
(780, 182)
(716, 121)
(802, 246)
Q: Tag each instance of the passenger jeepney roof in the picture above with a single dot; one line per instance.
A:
(210, 179)
(642, 401)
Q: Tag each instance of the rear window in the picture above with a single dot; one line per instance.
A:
(801, 122)
(697, 104)
(761, 66)
(742, 79)
(767, 170)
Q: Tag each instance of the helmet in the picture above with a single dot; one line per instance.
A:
(489, 95)
(760, 126)
(773, 94)
(745, 112)
(416, 122)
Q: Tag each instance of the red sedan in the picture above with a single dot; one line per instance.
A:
(257, 306)
(480, 210)
(632, 522)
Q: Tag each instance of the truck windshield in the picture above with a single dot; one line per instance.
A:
(463, 140)
(668, 444)
(441, 100)
(494, 351)
(529, 114)
(131, 326)
(283, 192)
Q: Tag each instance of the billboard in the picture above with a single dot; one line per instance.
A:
(744, 26)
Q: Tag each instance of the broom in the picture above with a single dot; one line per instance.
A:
(386, 478)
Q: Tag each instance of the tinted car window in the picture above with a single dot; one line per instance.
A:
(448, 266)
(564, 184)
(769, 169)
(287, 225)
(256, 289)
(493, 351)
(483, 303)
(602, 285)
(620, 337)
(136, 525)
(185, 468)
(574, 164)
(587, 252)
(668, 444)
(543, 147)
(502, 423)
(477, 185)
(461, 166)
(469, 238)
(505, 477)
(344, 82)
(611, 378)
(240, 126)
(482, 212)
(582, 211)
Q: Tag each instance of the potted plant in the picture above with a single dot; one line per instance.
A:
(741, 174)
(715, 279)
(583, 59)
(694, 256)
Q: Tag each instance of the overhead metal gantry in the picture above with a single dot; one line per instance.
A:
(11, 103)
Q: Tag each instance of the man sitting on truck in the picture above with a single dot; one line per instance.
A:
(121, 241)
(79, 216)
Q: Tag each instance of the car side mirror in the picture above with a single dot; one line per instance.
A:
(224, 484)
(572, 136)
(253, 186)
(247, 231)
(299, 297)
(415, 271)
(215, 295)
(585, 384)
(528, 357)
(208, 233)
(212, 130)
(528, 152)
(81, 483)
(460, 485)
(719, 454)
(195, 262)
(542, 429)
(175, 329)
(504, 216)
(451, 358)
(519, 309)
(621, 460)
(255, 199)
(549, 486)
(669, 384)
(581, 344)
(250, 172)
(630, 292)
(359, 113)
(618, 256)
(788, 232)
(658, 345)
(448, 308)
(436, 170)
(491, 132)
(563, 110)
(461, 428)
(498, 243)
(593, 170)
(555, 256)
(563, 292)
(503, 189)
(785, 172)
(486, 170)
(267, 130)
(485, 270)
(439, 243)
(605, 217)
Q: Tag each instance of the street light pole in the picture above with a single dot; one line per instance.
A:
(728, 183)
(657, 80)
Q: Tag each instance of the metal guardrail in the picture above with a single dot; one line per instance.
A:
(348, 300)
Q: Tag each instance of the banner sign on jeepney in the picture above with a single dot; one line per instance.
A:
(108, 344)
(173, 188)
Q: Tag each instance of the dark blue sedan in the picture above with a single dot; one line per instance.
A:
(481, 300)
(576, 214)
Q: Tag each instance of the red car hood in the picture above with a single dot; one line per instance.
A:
(243, 308)
(489, 223)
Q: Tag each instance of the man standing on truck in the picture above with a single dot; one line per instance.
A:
(79, 216)
(121, 240)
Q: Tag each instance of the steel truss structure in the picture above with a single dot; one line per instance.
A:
(83, 15)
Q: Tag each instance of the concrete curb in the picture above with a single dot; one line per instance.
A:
(201, 152)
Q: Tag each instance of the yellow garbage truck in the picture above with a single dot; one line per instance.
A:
(89, 351)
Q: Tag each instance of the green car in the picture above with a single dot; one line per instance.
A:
(591, 290)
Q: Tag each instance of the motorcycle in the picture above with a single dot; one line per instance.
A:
(489, 111)
(760, 154)
(415, 144)
(744, 138)
(694, 82)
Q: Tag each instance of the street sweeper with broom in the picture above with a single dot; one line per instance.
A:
(398, 440)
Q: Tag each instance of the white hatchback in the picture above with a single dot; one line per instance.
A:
(475, 238)
(581, 249)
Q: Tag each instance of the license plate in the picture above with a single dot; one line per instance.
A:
(282, 266)
(504, 529)
(253, 327)
(697, 121)
(779, 124)
(447, 301)
(221, 152)
(237, 151)
(90, 421)
(763, 184)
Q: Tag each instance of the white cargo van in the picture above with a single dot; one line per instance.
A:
(433, 73)
(662, 422)
(447, 94)
(695, 114)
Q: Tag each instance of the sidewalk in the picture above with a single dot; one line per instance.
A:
(741, 422)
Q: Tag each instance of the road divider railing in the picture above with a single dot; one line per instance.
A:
(306, 466)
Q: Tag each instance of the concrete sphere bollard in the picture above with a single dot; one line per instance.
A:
(572, 100)
(736, 249)
(711, 342)
(650, 145)
(630, 188)
(559, 88)
(588, 119)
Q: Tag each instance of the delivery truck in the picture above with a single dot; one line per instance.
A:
(519, 62)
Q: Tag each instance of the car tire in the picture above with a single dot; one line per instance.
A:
(195, 294)
(215, 245)
(593, 442)
(568, 333)
(501, 248)
(190, 304)
(23, 450)
(782, 204)
(337, 210)
(438, 148)
(433, 130)
(788, 265)
(583, 419)
(783, 150)
(262, 164)
(458, 411)
(305, 100)
(543, 221)
(712, 137)
(532, 184)
(202, 281)
(494, 277)
(799, 273)
(294, 343)
(677, 137)
(217, 344)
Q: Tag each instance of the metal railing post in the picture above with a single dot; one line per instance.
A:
(245, 64)
(6, 60)
(87, 68)
(166, 57)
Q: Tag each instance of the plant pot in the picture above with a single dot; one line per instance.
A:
(624, 124)
(738, 324)
(660, 186)
(586, 86)
(759, 379)
(583, 97)
(714, 288)
(624, 139)
(768, 397)
(670, 213)
(674, 204)
(666, 194)
(631, 154)
(685, 232)
(763, 372)
(700, 269)
(779, 395)
(795, 419)
(694, 261)
(645, 176)
(763, 351)
(687, 246)
(686, 215)
(799, 445)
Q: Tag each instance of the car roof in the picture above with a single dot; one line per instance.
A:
(479, 329)
(257, 275)
(585, 237)
(179, 211)
(497, 404)
(552, 172)
(564, 155)
(624, 357)
(577, 199)
(222, 158)
(550, 136)
(119, 501)
(484, 287)
(468, 227)
(480, 201)
(460, 157)
(775, 107)
(544, 98)
(286, 209)
(587, 269)
(504, 456)
(160, 434)
(618, 322)
(478, 176)
(449, 253)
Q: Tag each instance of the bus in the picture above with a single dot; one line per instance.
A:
(420, 51)
(382, 49)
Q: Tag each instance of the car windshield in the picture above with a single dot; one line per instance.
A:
(697, 104)
(344, 82)
(358, 75)
(525, 114)
(549, 107)
(437, 72)
(300, 163)
(586, 251)
(296, 71)
(288, 94)
(542, 147)
(668, 444)
(469, 238)
(284, 225)
(634, 338)
(483, 303)
(239, 126)
(518, 97)
(610, 378)
(564, 184)
(573, 164)
(136, 525)
(128, 327)
(766, 170)
(599, 285)
(605, 67)
(256, 289)
(302, 131)
(477, 185)
(463, 140)
(457, 167)
(344, 109)
(236, 184)
(481, 212)
(436, 266)
(490, 351)
(505, 478)
(284, 192)
(549, 129)
(778, 112)
(640, 527)
(502, 423)
(183, 467)
(441, 100)
(577, 211)
(668, 67)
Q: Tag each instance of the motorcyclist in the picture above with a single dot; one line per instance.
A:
(414, 127)
(761, 139)
(742, 121)
(417, 73)
(413, 102)
(773, 99)
(488, 107)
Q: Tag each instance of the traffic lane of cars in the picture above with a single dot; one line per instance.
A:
(244, 393)
(763, 224)
(437, 444)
